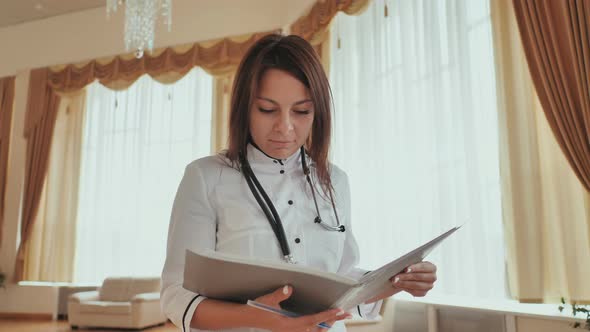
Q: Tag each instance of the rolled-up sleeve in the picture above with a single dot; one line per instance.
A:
(351, 254)
(192, 227)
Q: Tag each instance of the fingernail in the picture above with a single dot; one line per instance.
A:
(340, 313)
(409, 270)
(286, 290)
(395, 280)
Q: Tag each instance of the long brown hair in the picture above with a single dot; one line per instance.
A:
(297, 57)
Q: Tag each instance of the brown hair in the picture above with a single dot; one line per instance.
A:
(297, 57)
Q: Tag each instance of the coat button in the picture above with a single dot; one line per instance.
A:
(297, 240)
(290, 202)
(282, 171)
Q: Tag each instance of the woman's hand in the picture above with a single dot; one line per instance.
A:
(308, 323)
(417, 279)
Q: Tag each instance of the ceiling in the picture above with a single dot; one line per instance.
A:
(18, 11)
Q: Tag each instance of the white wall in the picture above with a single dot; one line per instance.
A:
(88, 35)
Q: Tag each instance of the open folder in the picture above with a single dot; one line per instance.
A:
(233, 278)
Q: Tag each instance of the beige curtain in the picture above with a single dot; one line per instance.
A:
(42, 107)
(545, 207)
(323, 49)
(222, 88)
(49, 253)
(6, 107)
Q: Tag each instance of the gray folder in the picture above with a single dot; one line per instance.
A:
(238, 279)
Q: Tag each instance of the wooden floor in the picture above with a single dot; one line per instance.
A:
(28, 325)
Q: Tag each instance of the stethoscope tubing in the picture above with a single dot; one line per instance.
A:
(270, 211)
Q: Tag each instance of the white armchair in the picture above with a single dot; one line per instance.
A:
(130, 303)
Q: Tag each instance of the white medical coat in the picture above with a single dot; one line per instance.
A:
(215, 209)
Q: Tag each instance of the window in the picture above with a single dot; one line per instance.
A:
(136, 145)
(416, 130)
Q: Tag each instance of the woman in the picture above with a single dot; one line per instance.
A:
(272, 195)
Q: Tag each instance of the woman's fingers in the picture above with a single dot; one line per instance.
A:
(414, 285)
(417, 279)
(424, 277)
(304, 323)
(417, 293)
(276, 297)
(421, 267)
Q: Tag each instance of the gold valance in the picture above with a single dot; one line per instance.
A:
(313, 25)
(166, 65)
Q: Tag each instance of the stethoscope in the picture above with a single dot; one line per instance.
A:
(271, 213)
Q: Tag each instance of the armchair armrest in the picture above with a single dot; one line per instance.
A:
(146, 297)
(83, 296)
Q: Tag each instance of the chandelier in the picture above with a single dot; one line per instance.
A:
(140, 21)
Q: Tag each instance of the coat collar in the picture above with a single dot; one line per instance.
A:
(261, 161)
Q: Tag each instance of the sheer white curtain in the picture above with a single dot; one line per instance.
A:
(416, 130)
(136, 145)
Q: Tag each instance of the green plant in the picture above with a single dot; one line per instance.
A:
(577, 309)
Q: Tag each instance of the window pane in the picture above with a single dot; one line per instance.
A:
(135, 147)
(416, 130)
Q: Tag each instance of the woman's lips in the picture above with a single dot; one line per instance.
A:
(280, 144)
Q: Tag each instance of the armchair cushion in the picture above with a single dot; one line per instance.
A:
(107, 308)
(83, 296)
(120, 289)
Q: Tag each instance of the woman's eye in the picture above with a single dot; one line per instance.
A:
(302, 112)
(263, 110)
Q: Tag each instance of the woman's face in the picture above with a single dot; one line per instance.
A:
(281, 117)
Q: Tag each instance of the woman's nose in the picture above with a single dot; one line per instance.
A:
(284, 123)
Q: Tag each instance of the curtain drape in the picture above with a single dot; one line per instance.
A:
(50, 250)
(545, 206)
(222, 89)
(556, 42)
(43, 107)
(6, 108)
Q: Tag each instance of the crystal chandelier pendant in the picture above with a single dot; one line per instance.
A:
(140, 21)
